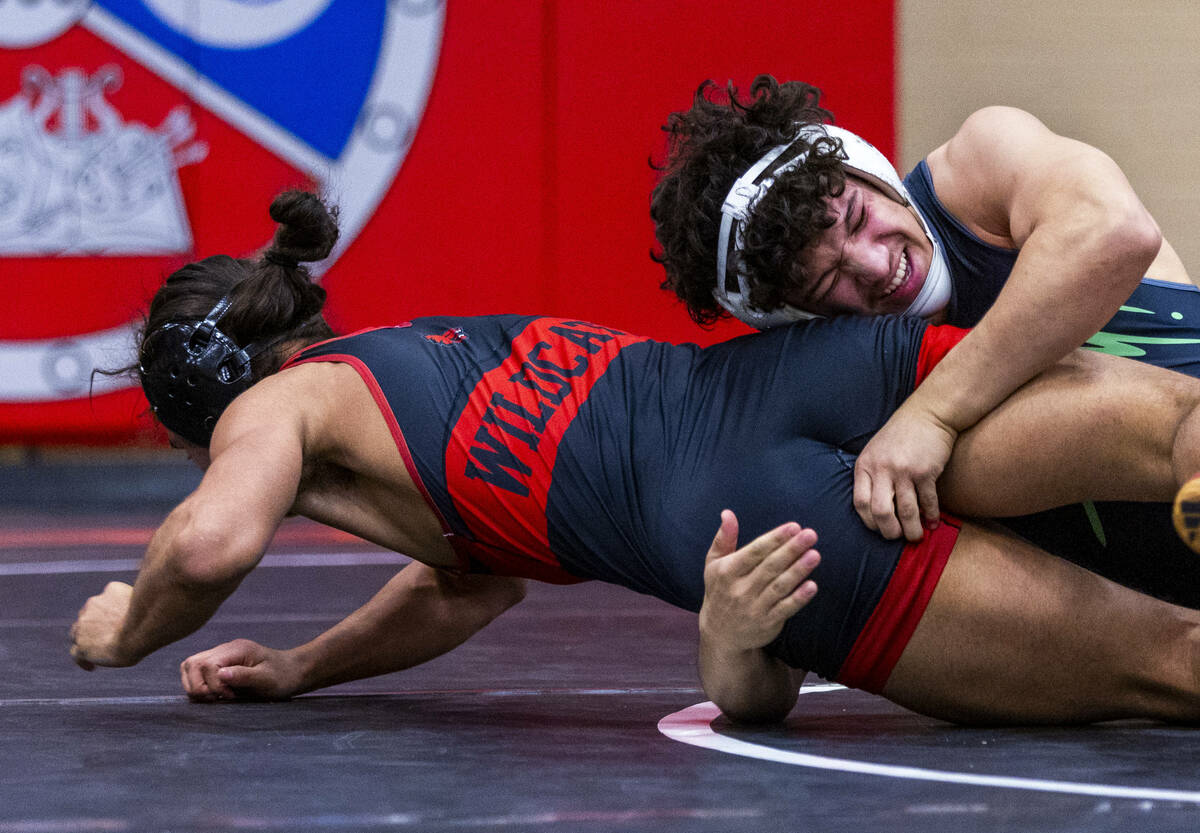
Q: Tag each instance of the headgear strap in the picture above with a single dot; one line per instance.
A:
(863, 159)
(196, 371)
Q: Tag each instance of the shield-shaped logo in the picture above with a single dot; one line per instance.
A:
(136, 135)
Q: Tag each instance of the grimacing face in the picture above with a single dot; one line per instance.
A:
(873, 260)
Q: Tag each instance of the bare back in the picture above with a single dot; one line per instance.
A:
(353, 476)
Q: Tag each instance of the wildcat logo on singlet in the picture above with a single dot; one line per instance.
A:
(455, 335)
(501, 453)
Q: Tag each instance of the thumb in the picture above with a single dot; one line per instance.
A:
(726, 538)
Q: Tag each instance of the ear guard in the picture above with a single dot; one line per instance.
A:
(860, 158)
(197, 370)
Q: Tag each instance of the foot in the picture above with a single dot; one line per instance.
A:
(1186, 513)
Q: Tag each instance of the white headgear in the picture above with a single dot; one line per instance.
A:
(864, 161)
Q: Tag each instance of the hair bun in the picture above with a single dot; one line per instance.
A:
(307, 229)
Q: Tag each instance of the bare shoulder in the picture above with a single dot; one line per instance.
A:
(331, 409)
(978, 171)
(992, 135)
(309, 398)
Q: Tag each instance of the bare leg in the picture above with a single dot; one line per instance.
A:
(1093, 427)
(1014, 635)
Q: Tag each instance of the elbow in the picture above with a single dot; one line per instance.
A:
(208, 556)
(1130, 240)
(753, 702)
(1145, 239)
(755, 714)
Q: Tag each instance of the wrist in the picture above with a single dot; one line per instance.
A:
(124, 651)
(306, 667)
(715, 644)
(950, 413)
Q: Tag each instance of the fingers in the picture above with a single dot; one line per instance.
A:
(875, 501)
(767, 570)
(788, 564)
(896, 507)
(863, 489)
(790, 590)
(794, 602)
(248, 681)
(908, 512)
(725, 541)
(210, 673)
(743, 561)
(747, 610)
(202, 675)
(198, 675)
(77, 656)
(927, 496)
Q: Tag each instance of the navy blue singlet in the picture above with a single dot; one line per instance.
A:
(1133, 543)
(561, 450)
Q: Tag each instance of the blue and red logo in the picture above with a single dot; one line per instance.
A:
(136, 135)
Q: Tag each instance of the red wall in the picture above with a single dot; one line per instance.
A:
(526, 186)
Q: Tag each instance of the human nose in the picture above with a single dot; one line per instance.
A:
(869, 261)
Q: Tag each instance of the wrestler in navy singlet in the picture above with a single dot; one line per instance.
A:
(562, 450)
(1159, 324)
(1132, 543)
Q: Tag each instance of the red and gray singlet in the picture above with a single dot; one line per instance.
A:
(562, 451)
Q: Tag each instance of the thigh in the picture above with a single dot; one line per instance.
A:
(1014, 635)
(1093, 427)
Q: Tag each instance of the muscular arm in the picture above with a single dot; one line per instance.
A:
(205, 547)
(420, 614)
(1085, 241)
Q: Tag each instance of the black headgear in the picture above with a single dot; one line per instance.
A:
(196, 371)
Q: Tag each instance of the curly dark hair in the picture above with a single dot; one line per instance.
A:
(708, 148)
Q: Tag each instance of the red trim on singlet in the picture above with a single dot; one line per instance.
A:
(884, 637)
(386, 410)
(546, 377)
(294, 359)
(886, 634)
(938, 340)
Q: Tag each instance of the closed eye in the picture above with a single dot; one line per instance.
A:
(821, 287)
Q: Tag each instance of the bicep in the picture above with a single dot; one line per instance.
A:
(251, 483)
(1005, 173)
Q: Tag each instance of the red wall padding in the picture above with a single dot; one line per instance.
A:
(525, 189)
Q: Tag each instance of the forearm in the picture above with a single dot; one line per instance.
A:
(416, 617)
(1036, 320)
(749, 686)
(171, 598)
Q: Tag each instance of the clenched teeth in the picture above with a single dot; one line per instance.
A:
(901, 274)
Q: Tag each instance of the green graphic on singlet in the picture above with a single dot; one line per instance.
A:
(1125, 344)
(1093, 517)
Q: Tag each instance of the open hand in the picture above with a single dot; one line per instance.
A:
(749, 593)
